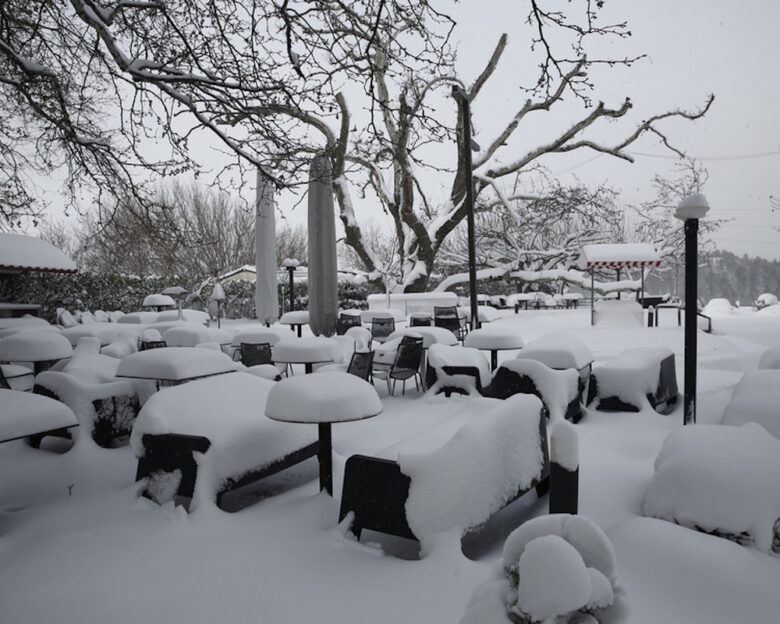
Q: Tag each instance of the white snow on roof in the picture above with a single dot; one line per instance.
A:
(18, 252)
(617, 253)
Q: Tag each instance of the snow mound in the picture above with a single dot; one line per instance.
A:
(765, 299)
(720, 479)
(756, 399)
(558, 388)
(481, 468)
(772, 310)
(770, 358)
(617, 314)
(441, 355)
(718, 307)
(553, 566)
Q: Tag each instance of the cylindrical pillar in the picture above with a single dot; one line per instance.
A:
(691, 311)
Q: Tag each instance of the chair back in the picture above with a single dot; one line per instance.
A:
(152, 344)
(381, 328)
(412, 340)
(361, 364)
(420, 321)
(409, 355)
(253, 354)
(447, 318)
(345, 321)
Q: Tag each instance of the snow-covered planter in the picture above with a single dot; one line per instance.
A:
(554, 569)
(720, 479)
(756, 399)
(637, 378)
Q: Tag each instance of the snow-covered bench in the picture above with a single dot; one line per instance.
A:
(207, 437)
(558, 389)
(496, 457)
(633, 379)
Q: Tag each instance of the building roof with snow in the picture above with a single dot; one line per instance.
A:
(618, 255)
(20, 253)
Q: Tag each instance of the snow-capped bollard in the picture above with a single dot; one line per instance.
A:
(650, 315)
(564, 468)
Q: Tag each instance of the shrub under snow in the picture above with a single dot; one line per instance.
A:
(554, 566)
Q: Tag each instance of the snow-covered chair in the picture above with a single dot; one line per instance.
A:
(720, 479)
(65, 318)
(636, 377)
(489, 462)
(26, 415)
(558, 389)
(756, 399)
(104, 405)
(463, 370)
(210, 436)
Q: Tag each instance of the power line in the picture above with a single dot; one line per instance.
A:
(710, 158)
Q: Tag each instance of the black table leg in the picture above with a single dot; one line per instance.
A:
(300, 327)
(308, 367)
(493, 359)
(325, 457)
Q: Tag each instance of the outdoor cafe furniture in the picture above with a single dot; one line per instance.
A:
(27, 415)
(366, 316)
(476, 463)
(430, 335)
(571, 300)
(41, 348)
(448, 317)
(406, 365)
(324, 398)
(308, 351)
(174, 365)
(345, 321)
(560, 351)
(382, 328)
(755, 400)
(210, 436)
(456, 369)
(420, 319)
(557, 389)
(192, 334)
(158, 302)
(494, 339)
(15, 377)
(295, 319)
(187, 315)
(135, 318)
(361, 336)
(635, 378)
(485, 314)
(13, 325)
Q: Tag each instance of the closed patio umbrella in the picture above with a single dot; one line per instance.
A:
(323, 288)
(266, 295)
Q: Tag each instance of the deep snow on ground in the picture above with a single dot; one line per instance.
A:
(77, 546)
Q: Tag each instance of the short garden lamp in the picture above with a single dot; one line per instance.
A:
(177, 292)
(291, 264)
(690, 210)
(218, 295)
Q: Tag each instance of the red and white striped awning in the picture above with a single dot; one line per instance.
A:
(618, 256)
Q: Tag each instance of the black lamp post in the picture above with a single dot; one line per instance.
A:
(690, 210)
(291, 264)
(462, 98)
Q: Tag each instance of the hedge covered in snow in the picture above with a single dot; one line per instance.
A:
(108, 291)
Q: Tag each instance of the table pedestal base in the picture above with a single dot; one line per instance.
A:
(325, 457)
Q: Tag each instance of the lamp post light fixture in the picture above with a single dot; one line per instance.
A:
(291, 264)
(218, 295)
(690, 210)
(462, 98)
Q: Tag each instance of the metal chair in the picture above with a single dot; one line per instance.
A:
(405, 366)
(419, 321)
(361, 365)
(381, 328)
(252, 354)
(447, 317)
(345, 321)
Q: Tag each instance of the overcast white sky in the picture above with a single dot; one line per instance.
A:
(694, 47)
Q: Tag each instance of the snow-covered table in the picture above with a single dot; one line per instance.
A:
(366, 316)
(17, 377)
(494, 339)
(23, 415)
(175, 365)
(326, 398)
(456, 368)
(209, 436)
(295, 319)
(308, 351)
(38, 347)
(430, 335)
(193, 334)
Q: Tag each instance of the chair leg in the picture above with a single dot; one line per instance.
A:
(389, 391)
(403, 387)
